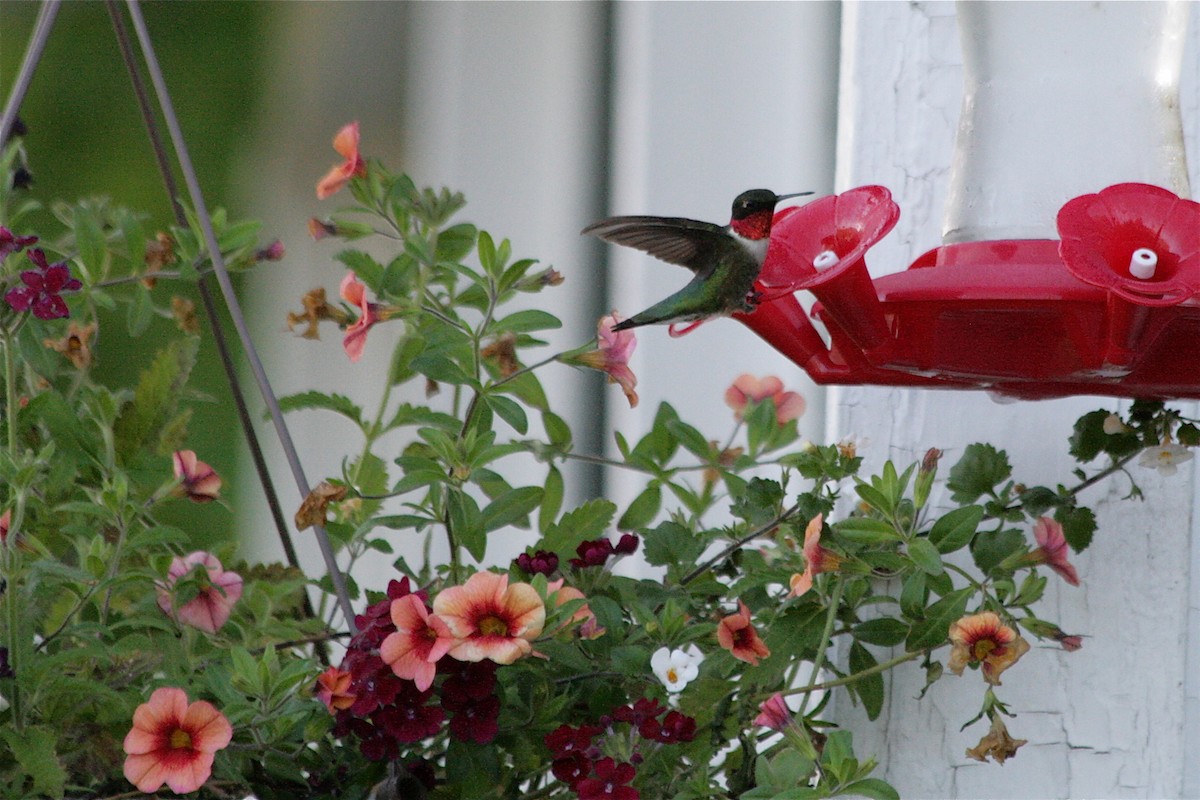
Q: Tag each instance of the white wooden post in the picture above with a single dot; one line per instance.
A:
(1118, 718)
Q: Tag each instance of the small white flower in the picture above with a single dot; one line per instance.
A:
(676, 668)
(1165, 458)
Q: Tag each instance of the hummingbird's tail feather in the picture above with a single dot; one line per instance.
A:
(686, 305)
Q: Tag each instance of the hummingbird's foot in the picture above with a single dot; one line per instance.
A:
(751, 301)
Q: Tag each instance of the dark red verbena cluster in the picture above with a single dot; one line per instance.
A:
(40, 287)
(580, 762)
(389, 711)
(541, 562)
(595, 552)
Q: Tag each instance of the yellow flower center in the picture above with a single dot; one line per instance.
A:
(493, 626)
(982, 649)
(672, 675)
(180, 739)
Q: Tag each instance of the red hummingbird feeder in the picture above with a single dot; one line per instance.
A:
(1111, 308)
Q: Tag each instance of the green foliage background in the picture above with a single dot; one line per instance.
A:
(86, 137)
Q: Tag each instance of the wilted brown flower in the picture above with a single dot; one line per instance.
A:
(315, 309)
(159, 253)
(504, 351)
(997, 743)
(316, 505)
(76, 345)
(184, 312)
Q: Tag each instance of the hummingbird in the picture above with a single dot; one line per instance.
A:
(726, 259)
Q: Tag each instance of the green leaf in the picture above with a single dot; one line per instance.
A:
(978, 472)
(485, 247)
(870, 688)
(511, 508)
(991, 548)
(456, 241)
(551, 499)
(925, 556)
(35, 750)
(368, 270)
(671, 544)
(866, 531)
(643, 509)
(140, 313)
(954, 530)
(526, 321)
(1079, 524)
(935, 628)
(337, 403)
(587, 521)
(873, 788)
(467, 523)
(1087, 436)
(760, 502)
(883, 632)
(156, 399)
(509, 411)
(875, 498)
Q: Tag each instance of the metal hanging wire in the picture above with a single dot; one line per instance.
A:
(33, 54)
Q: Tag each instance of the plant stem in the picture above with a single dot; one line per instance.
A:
(757, 532)
(8, 556)
(819, 660)
(882, 666)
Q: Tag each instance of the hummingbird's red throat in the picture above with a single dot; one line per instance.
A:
(755, 226)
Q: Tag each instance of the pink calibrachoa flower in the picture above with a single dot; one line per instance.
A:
(197, 480)
(590, 628)
(173, 742)
(748, 389)
(355, 292)
(774, 713)
(612, 355)
(210, 609)
(984, 639)
(491, 619)
(420, 640)
(817, 557)
(1052, 549)
(737, 635)
(346, 144)
(333, 689)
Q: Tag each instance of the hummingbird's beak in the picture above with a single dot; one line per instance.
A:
(779, 197)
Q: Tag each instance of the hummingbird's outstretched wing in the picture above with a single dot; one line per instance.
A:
(687, 242)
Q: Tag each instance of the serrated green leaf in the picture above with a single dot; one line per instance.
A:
(954, 530)
(35, 750)
(366, 268)
(978, 472)
(587, 521)
(155, 399)
(671, 544)
(337, 403)
(1079, 524)
(991, 548)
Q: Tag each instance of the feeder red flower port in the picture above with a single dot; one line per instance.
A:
(983, 639)
(490, 618)
(40, 288)
(747, 389)
(346, 144)
(173, 742)
(210, 609)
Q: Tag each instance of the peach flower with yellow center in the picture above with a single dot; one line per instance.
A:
(983, 639)
(491, 619)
